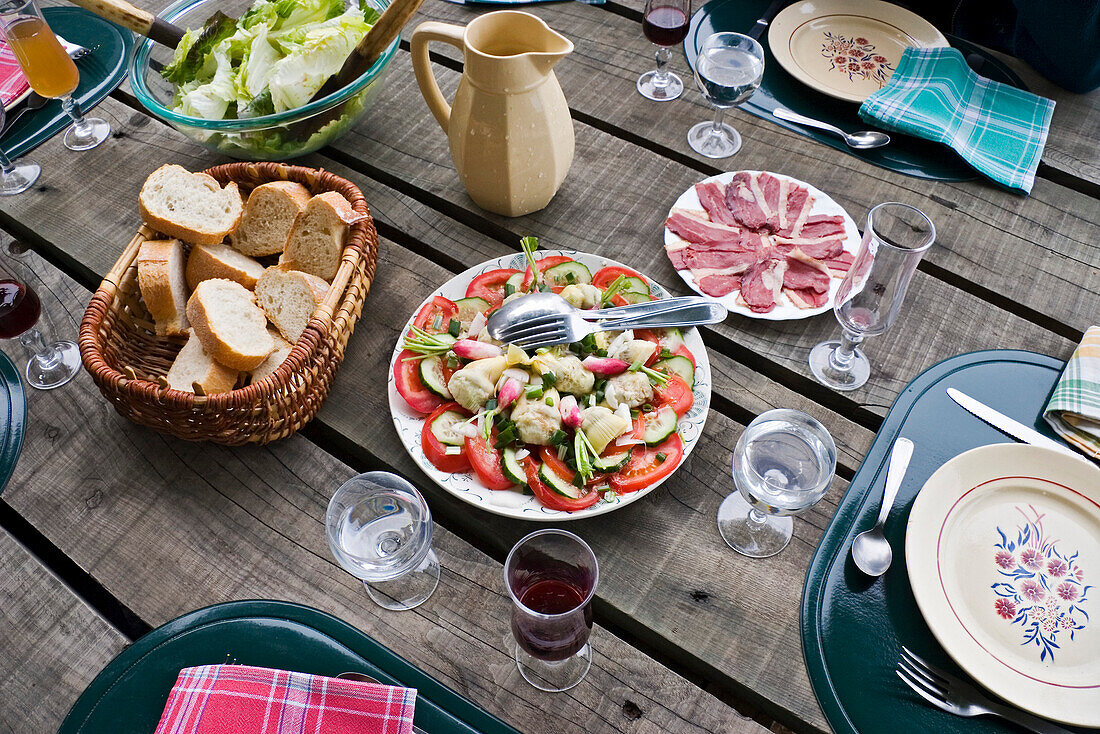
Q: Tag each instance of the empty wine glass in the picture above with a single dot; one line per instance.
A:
(551, 576)
(728, 69)
(51, 364)
(664, 23)
(380, 530)
(783, 464)
(48, 68)
(867, 303)
(15, 176)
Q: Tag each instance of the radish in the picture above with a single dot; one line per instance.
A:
(604, 366)
(471, 349)
(570, 412)
(509, 392)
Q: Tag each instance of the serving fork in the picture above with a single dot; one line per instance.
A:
(955, 696)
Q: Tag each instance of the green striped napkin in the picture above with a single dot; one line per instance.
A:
(998, 129)
(1074, 408)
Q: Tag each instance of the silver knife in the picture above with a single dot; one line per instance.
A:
(1003, 423)
(768, 16)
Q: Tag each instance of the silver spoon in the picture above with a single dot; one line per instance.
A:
(860, 141)
(870, 550)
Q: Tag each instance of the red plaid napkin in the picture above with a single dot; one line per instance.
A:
(216, 699)
(12, 82)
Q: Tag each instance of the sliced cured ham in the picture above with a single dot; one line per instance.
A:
(761, 284)
(712, 196)
(806, 297)
(840, 264)
(746, 200)
(821, 226)
(805, 273)
(796, 211)
(695, 229)
(734, 262)
(719, 284)
(819, 249)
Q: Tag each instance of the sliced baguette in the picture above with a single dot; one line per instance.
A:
(231, 327)
(160, 266)
(189, 206)
(221, 261)
(276, 358)
(317, 238)
(269, 214)
(194, 365)
(289, 297)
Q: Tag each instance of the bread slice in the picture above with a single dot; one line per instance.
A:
(192, 207)
(194, 365)
(231, 327)
(221, 261)
(289, 297)
(269, 214)
(317, 239)
(276, 358)
(162, 284)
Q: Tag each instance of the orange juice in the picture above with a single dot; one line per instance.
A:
(43, 60)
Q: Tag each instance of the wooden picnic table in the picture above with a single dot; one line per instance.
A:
(108, 529)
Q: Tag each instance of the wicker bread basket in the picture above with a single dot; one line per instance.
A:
(127, 360)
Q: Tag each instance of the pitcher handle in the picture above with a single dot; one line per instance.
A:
(425, 77)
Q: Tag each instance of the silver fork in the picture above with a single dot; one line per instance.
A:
(956, 696)
(572, 327)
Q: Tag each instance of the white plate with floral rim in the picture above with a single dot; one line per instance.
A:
(784, 309)
(847, 49)
(512, 503)
(1002, 547)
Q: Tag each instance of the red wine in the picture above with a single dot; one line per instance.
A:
(552, 596)
(19, 308)
(559, 637)
(665, 25)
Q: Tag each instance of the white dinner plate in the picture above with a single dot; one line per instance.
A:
(784, 310)
(847, 49)
(512, 503)
(1003, 549)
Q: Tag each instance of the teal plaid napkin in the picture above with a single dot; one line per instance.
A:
(998, 129)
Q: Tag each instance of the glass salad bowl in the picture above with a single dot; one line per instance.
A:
(272, 137)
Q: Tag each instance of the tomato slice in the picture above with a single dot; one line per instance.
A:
(490, 286)
(406, 378)
(676, 395)
(551, 499)
(436, 451)
(619, 300)
(645, 468)
(606, 276)
(547, 262)
(486, 462)
(683, 351)
(444, 308)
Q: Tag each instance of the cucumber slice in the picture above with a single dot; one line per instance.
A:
(634, 285)
(443, 428)
(634, 297)
(515, 280)
(615, 462)
(671, 339)
(512, 467)
(677, 365)
(570, 273)
(559, 485)
(470, 307)
(659, 425)
(431, 374)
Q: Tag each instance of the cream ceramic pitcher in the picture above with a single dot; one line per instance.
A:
(510, 131)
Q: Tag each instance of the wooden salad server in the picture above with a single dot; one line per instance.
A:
(135, 19)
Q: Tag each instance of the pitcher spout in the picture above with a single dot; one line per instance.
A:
(510, 51)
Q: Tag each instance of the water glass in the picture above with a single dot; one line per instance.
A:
(15, 176)
(551, 576)
(380, 530)
(867, 303)
(665, 23)
(783, 464)
(728, 69)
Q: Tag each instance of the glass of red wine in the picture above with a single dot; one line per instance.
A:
(665, 23)
(50, 365)
(551, 576)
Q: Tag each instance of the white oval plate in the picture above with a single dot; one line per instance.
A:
(1002, 548)
(511, 503)
(784, 310)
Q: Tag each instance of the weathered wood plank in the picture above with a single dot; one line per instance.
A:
(243, 523)
(53, 643)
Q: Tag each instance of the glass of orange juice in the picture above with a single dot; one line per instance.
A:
(48, 69)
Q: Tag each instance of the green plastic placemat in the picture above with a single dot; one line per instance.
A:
(128, 696)
(13, 418)
(100, 72)
(853, 626)
(904, 154)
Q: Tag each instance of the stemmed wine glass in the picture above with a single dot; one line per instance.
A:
(50, 365)
(867, 303)
(380, 530)
(551, 576)
(728, 69)
(664, 23)
(15, 176)
(783, 464)
(48, 68)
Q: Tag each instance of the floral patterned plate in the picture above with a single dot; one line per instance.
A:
(846, 48)
(511, 503)
(1003, 549)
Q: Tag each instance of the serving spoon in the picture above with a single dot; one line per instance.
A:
(860, 141)
(870, 550)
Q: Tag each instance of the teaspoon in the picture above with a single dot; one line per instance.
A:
(870, 550)
(860, 140)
